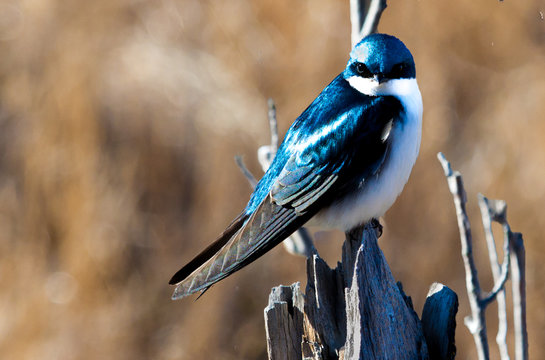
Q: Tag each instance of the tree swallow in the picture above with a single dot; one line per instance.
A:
(342, 163)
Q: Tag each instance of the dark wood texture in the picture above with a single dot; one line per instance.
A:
(284, 322)
(355, 311)
(439, 322)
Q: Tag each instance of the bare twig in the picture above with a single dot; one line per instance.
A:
(273, 125)
(518, 279)
(492, 210)
(514, 262)
(499, 283)
(266, 153)
(247, 173)
(365, 16)
(476, 322)
(514, 250)
(513, 257)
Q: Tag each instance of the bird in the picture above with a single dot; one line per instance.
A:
(343, 162)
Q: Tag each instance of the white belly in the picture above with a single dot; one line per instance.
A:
(376, 194)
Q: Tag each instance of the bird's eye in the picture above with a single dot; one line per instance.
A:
(398, 71)
(362, 70)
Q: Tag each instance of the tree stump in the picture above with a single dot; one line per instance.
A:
(355, 311)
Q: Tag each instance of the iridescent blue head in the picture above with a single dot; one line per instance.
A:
(380, 57)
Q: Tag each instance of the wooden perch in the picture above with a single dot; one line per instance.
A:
(355, 311)
(381, 322)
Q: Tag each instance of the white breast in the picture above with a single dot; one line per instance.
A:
(375, 195)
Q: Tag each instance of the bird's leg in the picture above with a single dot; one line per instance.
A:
(376, 226)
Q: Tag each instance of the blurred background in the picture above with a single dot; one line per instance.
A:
(119, 121)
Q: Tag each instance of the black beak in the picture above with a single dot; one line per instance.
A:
(380, 78)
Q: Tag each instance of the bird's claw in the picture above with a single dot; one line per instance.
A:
(377, 227)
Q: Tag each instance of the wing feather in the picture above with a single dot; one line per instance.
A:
(210, 250)
(262, 231)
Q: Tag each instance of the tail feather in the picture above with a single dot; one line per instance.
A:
(210, 251)
(244, 242)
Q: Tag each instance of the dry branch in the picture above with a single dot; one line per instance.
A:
(488, 212)
(518, 279)
(476, 322)
(365, 16)
(491, 210)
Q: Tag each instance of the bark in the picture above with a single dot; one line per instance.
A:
(355, 311)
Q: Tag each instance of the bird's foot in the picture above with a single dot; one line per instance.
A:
(377, 227)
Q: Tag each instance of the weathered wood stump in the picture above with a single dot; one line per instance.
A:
(355, 311)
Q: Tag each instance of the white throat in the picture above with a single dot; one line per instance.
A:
(405, 90)
(395, 87)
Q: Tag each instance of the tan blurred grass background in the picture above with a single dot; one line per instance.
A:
(119, 121)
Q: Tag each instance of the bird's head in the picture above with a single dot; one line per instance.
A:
(379, 64)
